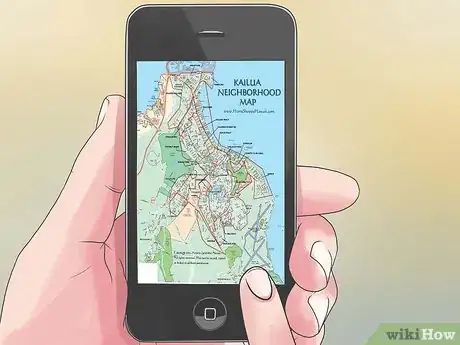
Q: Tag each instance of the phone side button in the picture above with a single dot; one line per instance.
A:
(210, 314)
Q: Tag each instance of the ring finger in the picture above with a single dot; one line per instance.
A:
(306, 311)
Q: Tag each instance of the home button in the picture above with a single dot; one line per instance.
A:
(209, 313)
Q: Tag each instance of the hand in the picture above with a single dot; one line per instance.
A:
(68, 285)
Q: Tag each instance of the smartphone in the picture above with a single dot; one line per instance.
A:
(211, 164)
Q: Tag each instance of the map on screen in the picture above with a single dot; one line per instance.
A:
(210, 170)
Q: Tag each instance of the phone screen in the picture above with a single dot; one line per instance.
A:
(210, 170)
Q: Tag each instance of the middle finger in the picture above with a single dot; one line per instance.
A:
(313, 253)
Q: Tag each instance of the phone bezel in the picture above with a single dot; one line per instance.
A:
(252, 32)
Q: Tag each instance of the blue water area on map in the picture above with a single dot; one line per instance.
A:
(264, 130)
(189, 66)
(148, 75)
(217, 194)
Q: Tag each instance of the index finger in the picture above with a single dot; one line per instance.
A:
(323, 191)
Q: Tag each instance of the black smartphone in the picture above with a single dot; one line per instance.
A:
(211, 164)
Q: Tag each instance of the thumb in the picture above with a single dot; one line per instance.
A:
(263, 312)
(87, 205)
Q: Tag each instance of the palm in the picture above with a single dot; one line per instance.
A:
(69, 285)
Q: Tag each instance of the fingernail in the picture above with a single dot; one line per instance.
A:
(323, 257)
(320, 305)
(259, 283)
(102, 112)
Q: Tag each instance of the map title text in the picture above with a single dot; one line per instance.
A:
(248, 89)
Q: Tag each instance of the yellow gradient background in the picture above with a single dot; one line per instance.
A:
(379, 99)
